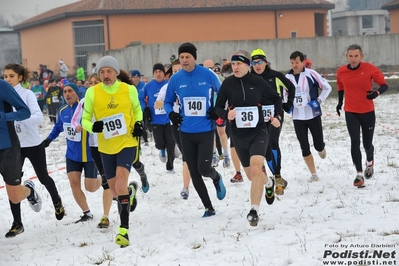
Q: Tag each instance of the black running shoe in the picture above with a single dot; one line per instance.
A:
(253, 217)
(269, 193)
(84, 218)
(59, 210)
(16, 229)
(209, 212)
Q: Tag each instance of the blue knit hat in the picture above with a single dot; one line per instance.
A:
(135, 73)
(73, 86)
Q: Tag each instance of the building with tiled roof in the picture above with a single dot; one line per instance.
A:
(393, 8)
(72, 31)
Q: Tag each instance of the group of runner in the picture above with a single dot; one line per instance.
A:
(183, 107)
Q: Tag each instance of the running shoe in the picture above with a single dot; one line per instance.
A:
(359, 180)
(104, 223)
(237, 178)
(269, 193)
(16, 229)
(253, 217)
(35, 201)
(209, 212)
(184, 193)
(122, 239)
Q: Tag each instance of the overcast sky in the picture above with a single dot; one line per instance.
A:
(16, 11)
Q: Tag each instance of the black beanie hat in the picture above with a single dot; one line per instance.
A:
(188, 47)
(158, 66)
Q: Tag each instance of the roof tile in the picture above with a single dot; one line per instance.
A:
(156, 6)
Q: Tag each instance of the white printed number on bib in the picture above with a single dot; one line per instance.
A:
(37, 94)
(114, 126)
(268, 110)
(194, 106)
(247, 117)
(159, 111)
(20, 129)
(71, 134)
(301, 99)
(55, 99)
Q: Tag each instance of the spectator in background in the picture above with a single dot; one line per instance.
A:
(63, 69)
(36, 75)
(40, 73)
(306, 62)
(53, 100)
(80, 73)
(94, 67)
(172, 58)
(82, 89)
(46, 74)
(45, 85)
(144, 79)
(40, 93)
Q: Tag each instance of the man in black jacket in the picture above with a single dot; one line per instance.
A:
(247, 95)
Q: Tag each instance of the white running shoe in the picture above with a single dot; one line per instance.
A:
(162, 156)
(35, 202)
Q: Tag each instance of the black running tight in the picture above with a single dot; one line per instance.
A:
(366, 122)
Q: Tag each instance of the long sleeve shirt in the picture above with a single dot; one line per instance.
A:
(78, 148)
(195, 92)
(151, 90)
(357, 83)
(307, 85)
(27, 130)
(9, 98)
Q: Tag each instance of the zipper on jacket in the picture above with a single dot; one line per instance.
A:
(243, 90)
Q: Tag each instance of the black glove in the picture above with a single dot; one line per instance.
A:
(98, 126)
(175, 118)
(147, 114)
(372, 95)
(338, 108)
(212, 114)
(287, 106)
(46, 142)
(138, 129)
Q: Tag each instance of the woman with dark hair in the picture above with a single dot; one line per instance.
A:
(31, 145)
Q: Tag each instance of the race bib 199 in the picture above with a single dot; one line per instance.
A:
(114, 126)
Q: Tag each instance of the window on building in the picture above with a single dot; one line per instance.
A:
(340, 32)
(88, 38)
(367, 22)
(293, 34)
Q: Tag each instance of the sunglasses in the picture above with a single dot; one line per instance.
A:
(254, 63)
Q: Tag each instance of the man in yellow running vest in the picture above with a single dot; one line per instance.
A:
(117, 112)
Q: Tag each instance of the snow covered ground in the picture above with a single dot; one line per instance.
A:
(328, 218)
